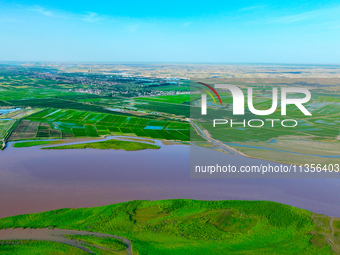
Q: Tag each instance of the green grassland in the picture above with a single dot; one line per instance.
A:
(105, 145)
(34, 143)
(198, 227)
(106, 242)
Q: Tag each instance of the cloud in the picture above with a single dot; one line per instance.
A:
(321, 14)
(187, 24)
(253, 7)
(133, 28)
(297, 17)
(5, 19)
(40, 10)
(91, 17)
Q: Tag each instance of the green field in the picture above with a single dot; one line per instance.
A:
(12, 94)
(60, 123)
(105, 145)
(198, 227)
(72, 114)
(59, 103)
(163, 107)
(172, 104)
(174, 99)
(5, 127)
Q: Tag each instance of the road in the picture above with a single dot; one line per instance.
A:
(58, 235)
(205, 134)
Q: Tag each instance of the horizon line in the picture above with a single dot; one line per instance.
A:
(167, 62)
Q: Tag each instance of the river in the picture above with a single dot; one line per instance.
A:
(34, 180)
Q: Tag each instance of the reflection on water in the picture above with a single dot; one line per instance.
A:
(4, 111)
(33, 180)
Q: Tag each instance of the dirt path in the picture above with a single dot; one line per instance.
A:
(57, 235)
(331, 226)
(206, 135)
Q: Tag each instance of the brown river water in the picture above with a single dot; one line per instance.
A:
(34, 180)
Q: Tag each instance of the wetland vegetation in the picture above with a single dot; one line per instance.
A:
(108, 144)
(193, 227)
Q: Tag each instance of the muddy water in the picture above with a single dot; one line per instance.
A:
(34, 180)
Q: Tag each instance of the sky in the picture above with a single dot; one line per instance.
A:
(305, 32)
